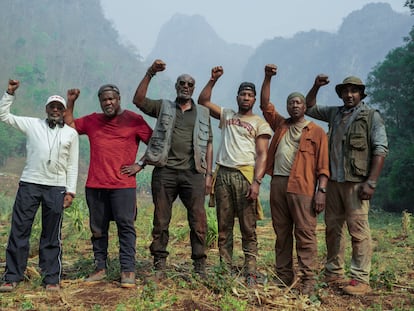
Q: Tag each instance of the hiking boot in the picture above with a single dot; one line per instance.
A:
(95, 277)
(308, 288)
(8, 287)
(357, 288)
(127, 279)
(160, 263)
(200, 267)
(52, 287)
(282, 283)
(251, 280)
(336, 280)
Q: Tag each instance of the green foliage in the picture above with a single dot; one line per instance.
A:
(212, 228)
(410, 5)
(390, 84)
(12, 142)
(230, 303)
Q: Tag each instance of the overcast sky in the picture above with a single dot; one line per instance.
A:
(236, 21)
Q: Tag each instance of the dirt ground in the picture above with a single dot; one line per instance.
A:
(190, 293)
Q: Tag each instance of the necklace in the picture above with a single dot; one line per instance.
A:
(51, 145)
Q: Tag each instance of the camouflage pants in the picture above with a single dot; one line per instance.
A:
(230, 191)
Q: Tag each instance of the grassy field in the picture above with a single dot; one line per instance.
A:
(392, 276)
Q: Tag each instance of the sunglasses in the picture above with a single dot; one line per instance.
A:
(183, 83)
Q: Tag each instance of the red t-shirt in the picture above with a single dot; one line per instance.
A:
(113, 143)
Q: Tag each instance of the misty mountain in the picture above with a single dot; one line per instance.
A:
(189, 44)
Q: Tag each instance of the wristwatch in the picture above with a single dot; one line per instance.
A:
(322, 189)
(142, 164)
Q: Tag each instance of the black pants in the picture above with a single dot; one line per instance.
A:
(189, 186)
(118, 205)
(29, 197)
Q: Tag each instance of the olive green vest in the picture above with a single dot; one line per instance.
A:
(357, 147)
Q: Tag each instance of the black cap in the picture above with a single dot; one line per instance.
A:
(247, 86)
(108, 87)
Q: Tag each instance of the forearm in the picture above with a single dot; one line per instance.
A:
(141, 90)
(205, 95)
(209, 157)
(376, 168)
(68, 117)
(261, 157)
(204, 99)
(311, 96)
(265, 92)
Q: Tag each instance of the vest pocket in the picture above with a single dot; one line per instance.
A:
(358, 142)
(359, 167)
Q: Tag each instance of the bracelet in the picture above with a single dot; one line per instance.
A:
(209, 174)
(8, 92)
(372, 184)
(258, 180)
(150, 73)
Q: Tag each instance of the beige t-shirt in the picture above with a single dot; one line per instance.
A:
(238, 138)
(287, 149)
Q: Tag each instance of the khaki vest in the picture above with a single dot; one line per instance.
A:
(357, 147)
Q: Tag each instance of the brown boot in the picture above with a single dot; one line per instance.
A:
(336, 280)
(357, 288)
(127, 279)
(95, 277)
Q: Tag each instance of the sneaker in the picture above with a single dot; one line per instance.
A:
(96, 277)
(357, 288)
(7, 287)
(336, 280)
(52, 287)
(127, 279)
(251, 280)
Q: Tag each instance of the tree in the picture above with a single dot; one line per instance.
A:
(410, 4)
(391, 87)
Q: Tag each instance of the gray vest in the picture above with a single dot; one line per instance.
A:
(160, 142)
